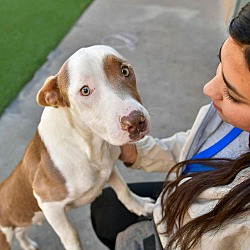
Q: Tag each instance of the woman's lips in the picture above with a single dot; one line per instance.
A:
(217, 108)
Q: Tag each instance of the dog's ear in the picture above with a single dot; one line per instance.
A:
(50, 95)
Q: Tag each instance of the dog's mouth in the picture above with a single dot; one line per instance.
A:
(135, 138)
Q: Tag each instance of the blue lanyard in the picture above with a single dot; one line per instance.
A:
(211, 151)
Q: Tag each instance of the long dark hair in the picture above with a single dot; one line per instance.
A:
(178, 196)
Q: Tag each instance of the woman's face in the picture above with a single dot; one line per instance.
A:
(230, 88)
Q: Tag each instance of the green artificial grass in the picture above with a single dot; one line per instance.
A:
(29, 30)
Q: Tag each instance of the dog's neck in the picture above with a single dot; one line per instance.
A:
(57, 126)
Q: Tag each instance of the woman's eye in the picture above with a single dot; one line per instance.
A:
(229, 97)
(125, 71)
(85, 91)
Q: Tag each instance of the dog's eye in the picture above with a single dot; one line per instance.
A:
(85, 90)
(125, 71)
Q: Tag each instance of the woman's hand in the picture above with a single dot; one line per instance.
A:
(128, 154)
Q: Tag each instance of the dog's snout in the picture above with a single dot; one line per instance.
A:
(134, 123)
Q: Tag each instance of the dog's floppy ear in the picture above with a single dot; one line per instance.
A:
(50, 95)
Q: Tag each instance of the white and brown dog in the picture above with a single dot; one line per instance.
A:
(91, 108)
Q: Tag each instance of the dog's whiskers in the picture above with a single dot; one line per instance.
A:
(154, 108)
(151, 113)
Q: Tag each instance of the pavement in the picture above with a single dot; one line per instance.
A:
(173, 46)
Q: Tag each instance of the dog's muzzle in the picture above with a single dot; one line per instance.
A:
(135, 124)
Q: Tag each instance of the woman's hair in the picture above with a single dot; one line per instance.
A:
(239, 30)
(178, 195)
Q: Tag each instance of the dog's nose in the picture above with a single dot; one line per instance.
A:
(134, 123)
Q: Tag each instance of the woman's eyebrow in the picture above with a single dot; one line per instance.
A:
(219, 55)
(230, 86)
(224, 78)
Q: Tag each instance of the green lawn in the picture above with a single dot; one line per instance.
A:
(29, 30)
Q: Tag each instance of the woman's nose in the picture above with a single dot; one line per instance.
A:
(213, 88)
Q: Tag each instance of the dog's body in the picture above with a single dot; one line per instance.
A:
(91, 108)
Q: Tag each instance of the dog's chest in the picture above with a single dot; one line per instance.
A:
(84, 167)
(84, 160)
(87, 175)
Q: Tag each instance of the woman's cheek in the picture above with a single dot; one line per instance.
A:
(238, 118)
(229, 113)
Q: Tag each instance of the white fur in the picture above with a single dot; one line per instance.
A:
(85, 160)
(25, 242)
(38, 218)
(8, 231)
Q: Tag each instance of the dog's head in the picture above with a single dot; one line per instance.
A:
(98, 86)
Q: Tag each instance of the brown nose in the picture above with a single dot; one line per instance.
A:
(134, 123)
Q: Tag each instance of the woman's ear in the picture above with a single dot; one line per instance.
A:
(50, 95)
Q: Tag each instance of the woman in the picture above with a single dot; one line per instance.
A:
(207, 205)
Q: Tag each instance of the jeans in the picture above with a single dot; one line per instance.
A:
(110, 217)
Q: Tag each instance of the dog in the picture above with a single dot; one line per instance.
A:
(91, 108)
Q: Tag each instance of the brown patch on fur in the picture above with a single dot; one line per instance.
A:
(48, 182)
(54, 91)
(35, 172)
(113, 66)
(17, 203)
(4, 245)
(63, 82)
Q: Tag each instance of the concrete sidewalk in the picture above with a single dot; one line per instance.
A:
(173, 46)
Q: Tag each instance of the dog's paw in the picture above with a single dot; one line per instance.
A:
(26, 243)
(76, 246)
(30, 245)
(147, 206)
(142, 206)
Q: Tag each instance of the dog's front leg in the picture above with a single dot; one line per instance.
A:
(56, 217)
(134, 203)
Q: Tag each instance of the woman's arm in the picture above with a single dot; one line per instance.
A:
(152, 154)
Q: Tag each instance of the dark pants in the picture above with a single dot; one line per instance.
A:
(109, 216)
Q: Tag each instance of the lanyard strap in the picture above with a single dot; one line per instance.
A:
(211, 151)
